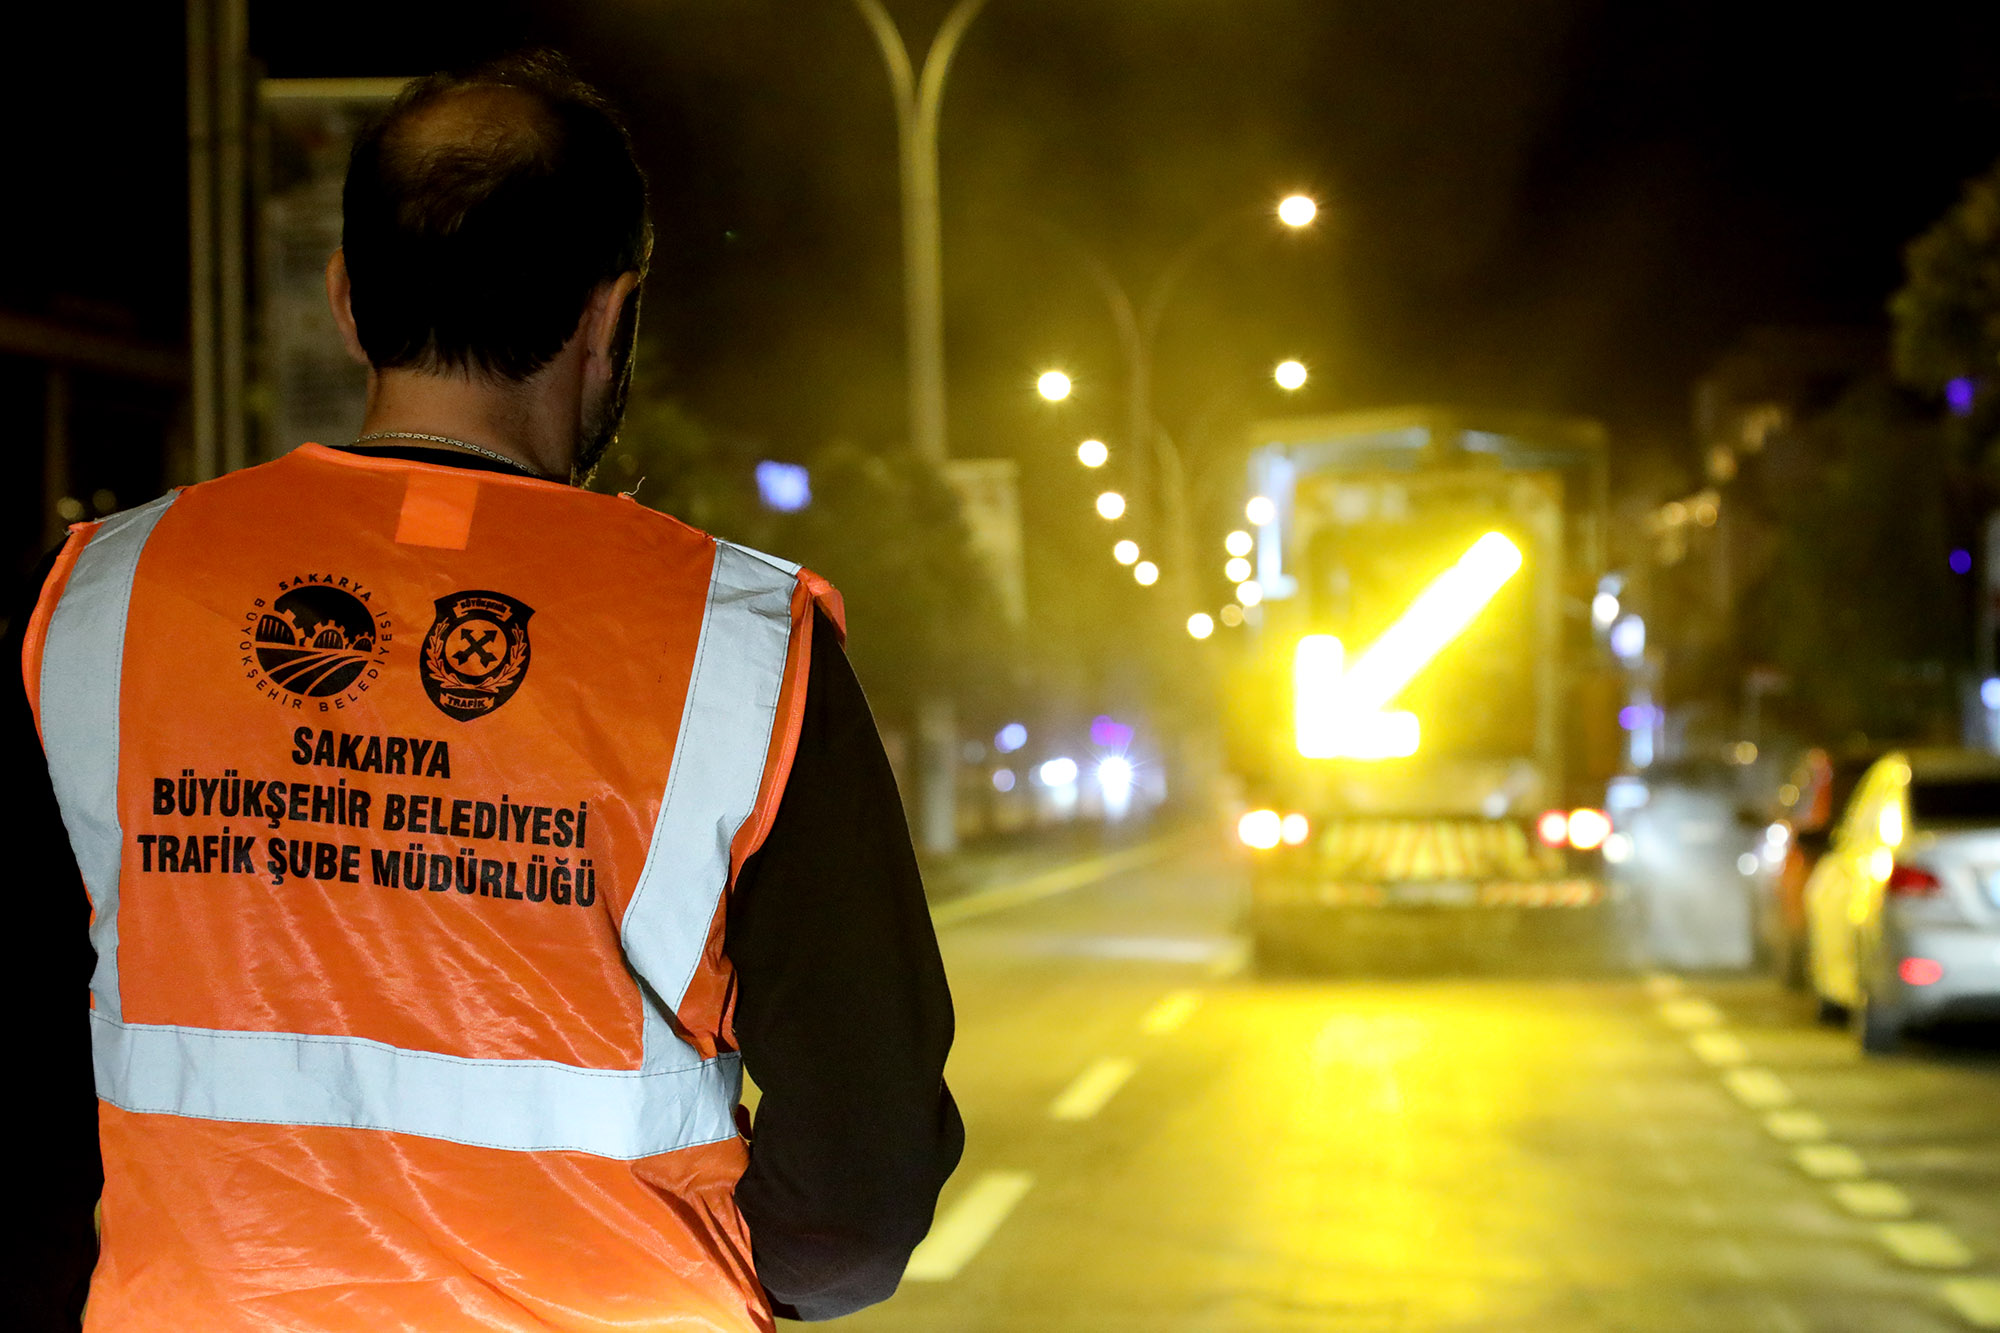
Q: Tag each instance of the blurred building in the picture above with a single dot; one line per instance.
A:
(1708, 546)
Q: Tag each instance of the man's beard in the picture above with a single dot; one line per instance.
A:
(601, 419)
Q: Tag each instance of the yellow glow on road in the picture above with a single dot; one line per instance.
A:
(1440, 614)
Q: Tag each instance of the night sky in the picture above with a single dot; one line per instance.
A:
(1549, 204)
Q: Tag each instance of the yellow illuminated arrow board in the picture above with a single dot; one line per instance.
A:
(1339, 713)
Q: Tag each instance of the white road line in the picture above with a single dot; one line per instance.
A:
(1757, 1088)
(1231, 961)
(1094, 1087)
(1873, 1199)
(1795, 1126)
(1173, 1010)
(1063, 879)
(1977, 1300)
(1661, 985)
(1829, 1161)
(1924, 1244)
(968, 1224)
(1690, 1014)
(1719, 1048)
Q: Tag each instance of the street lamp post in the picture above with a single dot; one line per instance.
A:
(1138, 329)
(919, 95)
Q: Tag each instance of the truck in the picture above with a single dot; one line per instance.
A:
(1423, 717)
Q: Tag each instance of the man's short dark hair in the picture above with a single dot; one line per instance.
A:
(481, 210)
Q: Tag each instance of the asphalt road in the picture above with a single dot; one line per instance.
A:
(1160, 1140)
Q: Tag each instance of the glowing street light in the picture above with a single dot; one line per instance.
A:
(1260, 510)
(1053, 385)
(1237, 570)
(1147, 573)
(1200, 625)
(1297, 210)
(1238, 543)
(1092, 453)
(1125, 552)
(1232, 615)
(1249, 592)
(1110, 505)
(1290, 374)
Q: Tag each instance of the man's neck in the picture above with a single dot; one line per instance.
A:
(521, 422)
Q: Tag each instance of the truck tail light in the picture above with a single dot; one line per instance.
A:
(1294, 829)
(1261, 829)
(1907, 881)
(1588, 829)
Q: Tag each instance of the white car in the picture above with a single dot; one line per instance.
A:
(1903, 910)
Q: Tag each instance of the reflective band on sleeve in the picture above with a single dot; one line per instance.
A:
(718, 766)
(82, 669)
(286, 1078)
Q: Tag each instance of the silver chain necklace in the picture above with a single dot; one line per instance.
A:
(479, 449)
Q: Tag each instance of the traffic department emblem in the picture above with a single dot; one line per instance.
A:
(476, 654)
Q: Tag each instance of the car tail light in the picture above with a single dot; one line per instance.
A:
(1588, 829)
(1920, 971)
(1294, 829)
(1552, 828)
(1906, 881)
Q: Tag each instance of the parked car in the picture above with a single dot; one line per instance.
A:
(1903, 910)
(1809, 803)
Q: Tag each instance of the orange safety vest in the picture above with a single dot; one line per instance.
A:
(408, 799)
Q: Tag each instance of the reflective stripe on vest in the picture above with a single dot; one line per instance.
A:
(673, 1100)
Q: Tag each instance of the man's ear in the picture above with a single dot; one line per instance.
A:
(340, 295)
(600, 321)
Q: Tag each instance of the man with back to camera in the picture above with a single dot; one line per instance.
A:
(450, 834)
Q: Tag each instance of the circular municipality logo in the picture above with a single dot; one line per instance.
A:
(476, 654)
(316, 637)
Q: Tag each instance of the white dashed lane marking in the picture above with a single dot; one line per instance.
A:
(1924, 1244)
(966, 1226)
(1094, 1087)
(1757, 1088)
(1174, 1009)
(1873, 1199)
(1977, 1300)
(1690, 1014)
(1794, 1125)
(1719, 1048)
(1829, 1161)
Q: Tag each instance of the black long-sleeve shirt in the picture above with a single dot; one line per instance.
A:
(842, 1016)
